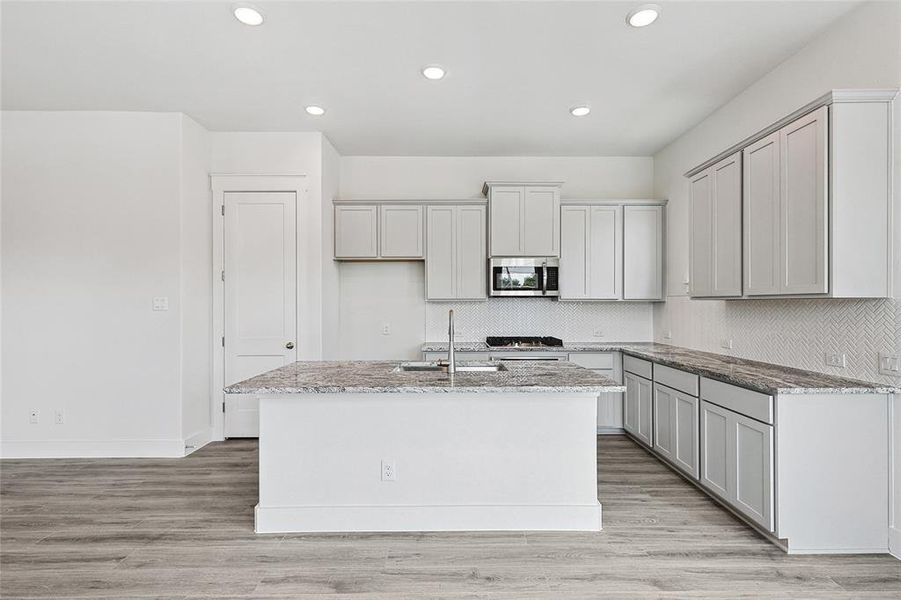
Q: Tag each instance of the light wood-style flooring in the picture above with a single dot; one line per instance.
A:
(183, 528)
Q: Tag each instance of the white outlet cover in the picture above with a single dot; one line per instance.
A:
(726, 343)
(598, 333)
(389, 470)
(835, 359)
(161, 303)
(890, 364)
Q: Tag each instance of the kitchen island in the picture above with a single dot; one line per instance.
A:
(368, 446)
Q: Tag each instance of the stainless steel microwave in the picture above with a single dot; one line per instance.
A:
(524, 276)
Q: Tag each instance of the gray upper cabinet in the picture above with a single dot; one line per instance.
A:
(356, 231)
(455, 263)
(401, 231)
(643, 253)
(815, 203)
(715, 219)
(373, 231)
(591, 264)
(524, 218)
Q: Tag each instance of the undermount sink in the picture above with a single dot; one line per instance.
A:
(462, 367)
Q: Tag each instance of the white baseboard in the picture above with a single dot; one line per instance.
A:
(93, 449)
(308, 519)
(602, 430)
(894, 542)
(198, 440)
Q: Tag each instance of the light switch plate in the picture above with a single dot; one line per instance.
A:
(161, 303)
(889, 364)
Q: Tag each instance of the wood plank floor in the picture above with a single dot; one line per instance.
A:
(183, 528)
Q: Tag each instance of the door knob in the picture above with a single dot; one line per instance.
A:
(289, 345)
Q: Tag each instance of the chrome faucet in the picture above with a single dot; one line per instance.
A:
(451, 359)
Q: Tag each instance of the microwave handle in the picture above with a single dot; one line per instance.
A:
(544, 278)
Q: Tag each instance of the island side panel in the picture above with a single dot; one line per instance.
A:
(486, 461)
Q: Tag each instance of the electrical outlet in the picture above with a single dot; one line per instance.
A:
(389, 470)
(889, 364)
(161, 303)
(59, 417)
(726, 343)
(599, 333)
(668, 334)
(34, 416)
(386, 328)
(836, 359)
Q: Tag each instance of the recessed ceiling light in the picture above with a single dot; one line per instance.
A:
(433, 72)
(643, 15)
(579, 111)
(316, 111)
(248, 15)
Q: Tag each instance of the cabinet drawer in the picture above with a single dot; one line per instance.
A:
(745, 402)
(637, 366)
(676, 379)
(591, 360)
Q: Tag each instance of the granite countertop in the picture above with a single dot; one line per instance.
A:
(382, 377)
(759, 376)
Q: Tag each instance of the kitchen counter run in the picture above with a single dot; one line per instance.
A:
(754, 375)
(353, 377)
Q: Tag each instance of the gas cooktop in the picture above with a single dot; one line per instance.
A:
(523, 342)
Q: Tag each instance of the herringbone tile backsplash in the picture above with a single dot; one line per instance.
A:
(796, 333)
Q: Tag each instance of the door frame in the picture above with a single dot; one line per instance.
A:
(222, 184)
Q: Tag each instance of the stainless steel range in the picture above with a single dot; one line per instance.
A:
(523, 342)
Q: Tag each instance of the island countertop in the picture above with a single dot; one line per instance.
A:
(354, 377)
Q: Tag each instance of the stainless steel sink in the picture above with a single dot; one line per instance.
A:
(462, 367)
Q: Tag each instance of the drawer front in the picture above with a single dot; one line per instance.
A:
(745, 402)
(591, 360)
(460, 355)
(637, 366)
(676, 379)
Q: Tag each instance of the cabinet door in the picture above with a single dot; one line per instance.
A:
(645, 411)
(643, 252)
(356, 231)
(715, 453)
(630, 405)
(605, 252)
(505, 220)
(610, 409)
(701, 234)
(440, 264)
(400, 231)
(804, 205)
(574, 249)
(664, 407)
(472, 261)
(685, 433)
(725, 241)
(540, 221)
(761, 216)
(752, 444)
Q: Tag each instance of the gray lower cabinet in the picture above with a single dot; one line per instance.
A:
(638, 418)
(737, 461)
(676, 428)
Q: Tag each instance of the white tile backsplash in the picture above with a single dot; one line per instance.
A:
(571, 321)
(791, 332)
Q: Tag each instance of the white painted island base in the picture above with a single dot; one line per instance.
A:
(462, 461)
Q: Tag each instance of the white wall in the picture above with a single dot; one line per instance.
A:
(331, 170)
(412, 320)
(861, 50)
(196, 239)
(92, 232)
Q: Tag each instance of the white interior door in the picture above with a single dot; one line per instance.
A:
(260, 295)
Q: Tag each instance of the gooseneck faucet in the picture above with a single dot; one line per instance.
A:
(451, 359)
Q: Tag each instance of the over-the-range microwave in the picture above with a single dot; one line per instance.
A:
(515, 276)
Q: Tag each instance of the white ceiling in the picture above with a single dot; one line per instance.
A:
(514, 68)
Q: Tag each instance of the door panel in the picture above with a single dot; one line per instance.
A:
(260, 295)
(605, 265)
(726, 232)
(541, 226)
(630, 418)
(574, 249)
(471, 268)
(505, 221)
(761, 216)
(643, 252)
(715, 449)
(645, 411)
(440, 281)
(685, 433)
(753, 463)
(664, 403)
(401, 231)
(356, 231)
(701, 223)
(804, 205)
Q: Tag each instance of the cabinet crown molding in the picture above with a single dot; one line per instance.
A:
(412, 201)
(613, 201)
(490, 184)
(885, 95)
